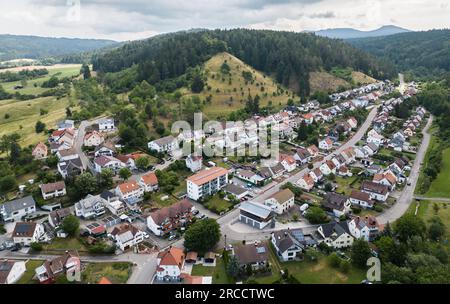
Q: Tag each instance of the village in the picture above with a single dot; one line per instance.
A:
(340, 167)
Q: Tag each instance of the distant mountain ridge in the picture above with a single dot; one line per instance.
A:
(349, 33)
(34, 47)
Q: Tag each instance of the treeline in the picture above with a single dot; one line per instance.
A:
(288, 56)
(9, 76)
(417, 54)
(436, 98)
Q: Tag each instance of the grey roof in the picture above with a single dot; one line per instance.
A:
(256, 209)
(19, 204)
(335, 227)
(164, 140)
(234, 189)
(334, 201)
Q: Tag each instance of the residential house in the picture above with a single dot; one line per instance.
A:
(306, 182)
(353, 123)
(16, 209)
(235, 190)
(327, 168)
(313, 151)
(336, 203)
(113, 203)
(163, 144)
(106, 125)
(308, 118)
(289, 243)
(56, 217)
(66, 124)
(366, 228)
(93, 139)
(249, 176)
(371, 149)
(127, 236)
(255, 214)
(374, 137)
(206, 182)
(67, 154)
(170, 262)
(26, 233)
(376, 191)
(316, 175)
(130, 192)
(53, 190)
(149, 182)
(326, 144)
(168, 219)
(257, 256)
(108, 162)
(387, 178)
(90, 207)
(361, 199)
(194, 162)
(302, 156)
(40, 151)
(281, 201)
(335, 234)
(288, 162)
(11, 271)
(105, 149)
(128, 160)
(68, 263)
(70, 167)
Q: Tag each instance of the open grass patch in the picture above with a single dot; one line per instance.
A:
(218, 273)
(27, 277)
(440, 187)
(217, 204)
(116, 272)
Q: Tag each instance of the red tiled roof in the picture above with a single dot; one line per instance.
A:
(150, 179)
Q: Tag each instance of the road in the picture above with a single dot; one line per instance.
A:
(79, 143)
(436, 199)
(406, 197)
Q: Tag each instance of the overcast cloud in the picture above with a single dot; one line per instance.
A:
(136, 19)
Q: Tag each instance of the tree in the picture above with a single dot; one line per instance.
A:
(85, 71)
(315, 215)
(85, 183)
(106, 178)
(334, 260)
(202, 236)
(436, 229)
(360, 252)
(232, 268)
(36, 246)
(197, 83)
(390, 251)
(70, 224)
(7, 183)
(143, 162)
(409, 225)
(125, 173)
(302, 133)
(39, 127)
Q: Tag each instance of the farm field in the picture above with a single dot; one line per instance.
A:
(59, 71)
(440, 187)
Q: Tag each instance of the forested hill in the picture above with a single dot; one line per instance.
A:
(15, 47)
(420, 53)
(287, 56)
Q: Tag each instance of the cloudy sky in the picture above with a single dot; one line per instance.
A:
(135, 19)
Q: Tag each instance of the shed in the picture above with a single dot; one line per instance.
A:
(191, 257)
(210, 257)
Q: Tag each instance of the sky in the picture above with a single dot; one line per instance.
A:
(138, 19)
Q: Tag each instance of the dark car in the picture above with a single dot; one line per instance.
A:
(15, 248)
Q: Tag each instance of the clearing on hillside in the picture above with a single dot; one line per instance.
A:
(323, 81)
(230, 81)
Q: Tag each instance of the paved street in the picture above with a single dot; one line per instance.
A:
(406, 197)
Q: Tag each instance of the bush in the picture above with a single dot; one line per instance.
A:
(378, 208)
(334, 260)
(2, 229)
(36, 246)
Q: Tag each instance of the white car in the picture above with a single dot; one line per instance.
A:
(146, 236)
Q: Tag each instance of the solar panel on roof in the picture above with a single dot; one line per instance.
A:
(5, 267)
(22, 228)
(260, 249)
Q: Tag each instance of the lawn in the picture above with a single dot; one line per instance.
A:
(60, 244)
(27, 277)
(345, 184)
(60, 72)
(307, 272)
(217, 204)
(218, 273)
(23, 116)
(117, 272)
(440, 186)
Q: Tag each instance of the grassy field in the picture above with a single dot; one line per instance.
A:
(229, 91)
(65, 244)
(440, 187)
(344, 184)
(307, 272)
(23, 116)
(217, 273)
(117, 273)
(59, 71)
(362, 78)
(27, 277)
(218, 204)
(323, 81)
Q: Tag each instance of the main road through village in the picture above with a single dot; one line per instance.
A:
(232, 230)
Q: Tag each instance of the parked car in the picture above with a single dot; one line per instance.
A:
(172, 237)
(2, 247)
(146, 235)
(15, 248)
(195, 212)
